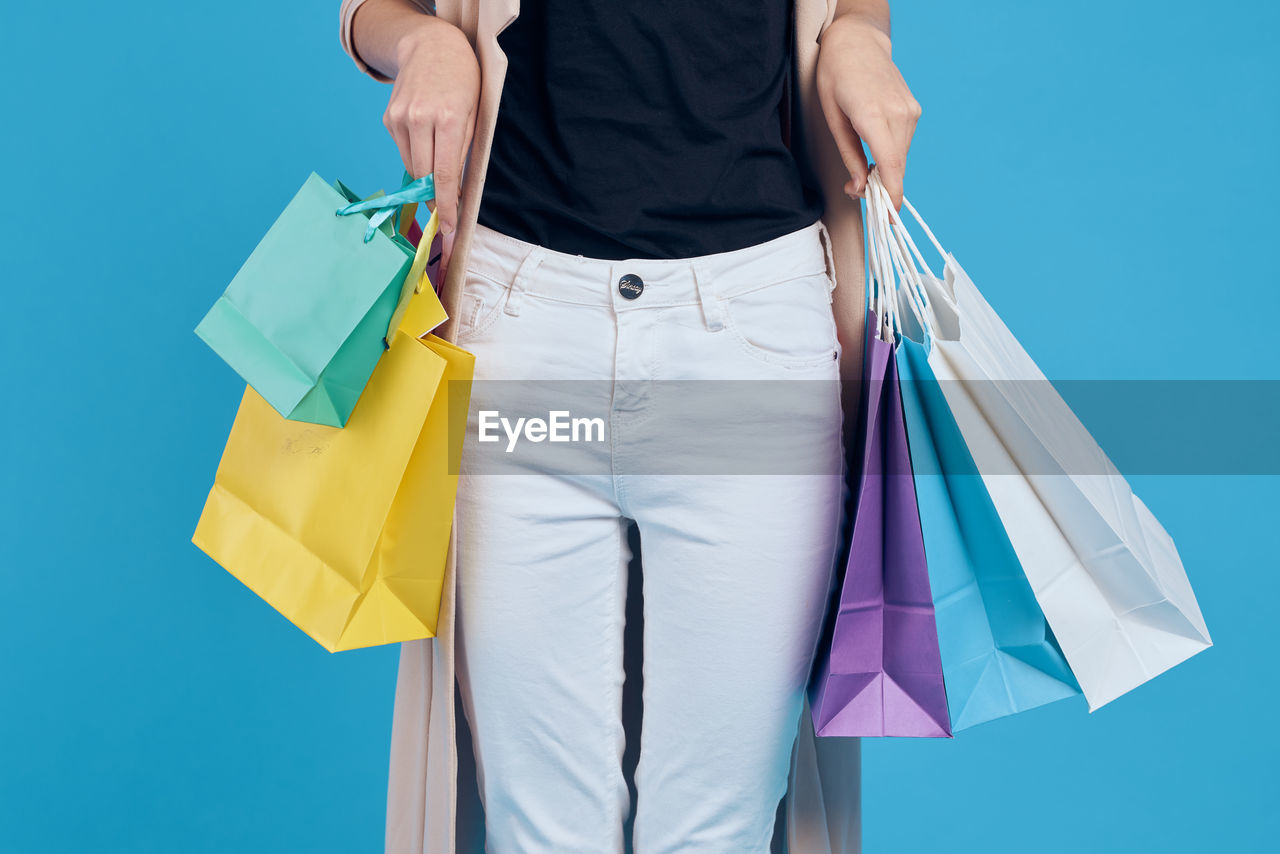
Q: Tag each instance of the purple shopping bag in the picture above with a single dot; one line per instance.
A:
(878, 670)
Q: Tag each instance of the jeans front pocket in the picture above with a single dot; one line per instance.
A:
(788, 324)
(480, 304)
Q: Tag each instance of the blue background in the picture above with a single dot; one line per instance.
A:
(1105, 170)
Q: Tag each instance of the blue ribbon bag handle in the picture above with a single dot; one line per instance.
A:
(414, 191)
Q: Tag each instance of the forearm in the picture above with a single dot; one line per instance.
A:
(867, 12)
(382, 31)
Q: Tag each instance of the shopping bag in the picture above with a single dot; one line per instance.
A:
(998, 655)
(1104, 571)
(344, 531)
(879, 672)
(303, 320)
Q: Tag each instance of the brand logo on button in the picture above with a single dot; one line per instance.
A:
(630, 286)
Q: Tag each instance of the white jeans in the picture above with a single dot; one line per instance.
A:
(737, 496)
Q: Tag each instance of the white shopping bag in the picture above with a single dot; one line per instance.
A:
(1103, 569)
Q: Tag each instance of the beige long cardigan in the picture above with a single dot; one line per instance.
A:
(432, 799)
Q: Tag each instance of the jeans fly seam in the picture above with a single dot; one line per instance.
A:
(619, 488)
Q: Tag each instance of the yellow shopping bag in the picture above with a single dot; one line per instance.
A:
(344, 530)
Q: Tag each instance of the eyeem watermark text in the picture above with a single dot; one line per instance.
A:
(558, 426)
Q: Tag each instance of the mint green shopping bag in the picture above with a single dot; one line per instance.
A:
(304, 320)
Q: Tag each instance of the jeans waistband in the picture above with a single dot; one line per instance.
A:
(528, 268)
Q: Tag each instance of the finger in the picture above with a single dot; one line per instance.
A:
(890, 157)
(446, 254)
(892, 141)
(893, 172)
(394, 121)
(421, 129)
(447, 240)
(466, 145)
(906, 131)
(451, 134)
(849, 144)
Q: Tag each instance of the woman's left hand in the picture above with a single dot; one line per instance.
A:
(865, 100)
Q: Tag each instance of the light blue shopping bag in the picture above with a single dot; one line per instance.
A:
(305, 319)
(998, 654)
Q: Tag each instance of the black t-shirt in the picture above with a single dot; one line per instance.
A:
(645, 128)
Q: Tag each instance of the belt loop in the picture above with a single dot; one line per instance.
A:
(708, 299)
(829, 255)
(527, 267)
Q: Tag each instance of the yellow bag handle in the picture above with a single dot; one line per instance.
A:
(419, 309)
(406, 214)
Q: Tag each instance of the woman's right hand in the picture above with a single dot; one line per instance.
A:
(431, 113)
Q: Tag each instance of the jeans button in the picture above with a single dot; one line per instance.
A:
(630, 286)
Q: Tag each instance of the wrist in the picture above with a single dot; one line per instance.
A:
(862, 28)
(414, 37)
